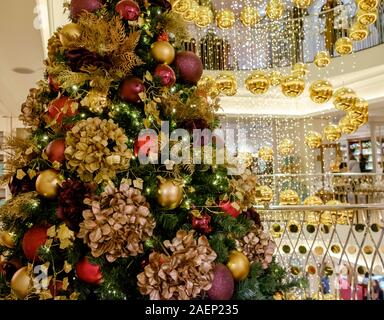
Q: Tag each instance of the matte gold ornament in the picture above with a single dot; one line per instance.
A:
(289, 197)
(180, 6)
(367, 4)
(225, 19)
(275, 78)
(275, 9)
(300, 69)
(321, 91)
(346, 125)
(286, 147)
(322, 59)
(332, 132)
(191, 13)
(257, 82)
(266, 153)
(264, 194)
(163, 52)
(226, 83)
(358, 32)
(204, 17)
(344, 46)
(21, 283)
(249, 16)
(366, 17)
(292, 86)
(238, 264)
(6, 240)
(359, 113)
(313, 139)
(169, 194)
(302, 4)
(344, 99)
(208, 85)
(69, 33)
(47, 183)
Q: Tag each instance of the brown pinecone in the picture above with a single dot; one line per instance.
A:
(118, 223)
(182, 276)
(79, 58)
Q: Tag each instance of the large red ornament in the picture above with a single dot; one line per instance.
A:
(202, 224)
(33, 239)
(130, 90)
(227, 207)
(188, 67)
(88, 272)
(60, 109)
(55, 150)
(79, 6)
(128, 10)
(223, 284)
(165, 74)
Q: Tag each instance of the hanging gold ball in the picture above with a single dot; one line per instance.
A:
(6, 240)
(322, 59)
(332, 132)
(163, 52)
(313, 201)
(321, 91)
(191, 13)
(286, 147)
(366, 17)
(257, 82)
(300, 69)
(359, 113)
(264, 194)
(266, 153)
(358, 32)
(180, 6)
(346, 125)
(344, 46)
(208, 85)
(275, 9)
(225, 19)
(275, 78)
(204, 17)
(169, 194)
(313, 139)
(21, 283)
(238, 264)
(226, 83)
(292, 225)
(249, 16)
(367, 4)
(69, 33)
(292, 86)
(302, 4)
(289, 197)
(47, 183)
(344, 99)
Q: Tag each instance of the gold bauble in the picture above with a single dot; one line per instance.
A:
(226, 83)
(264, 194)
(204, 17)
(328, 217)
(311, 217)
(358, 32)
(169, 194)
(321, 91)
(238, 264)
(225, 19)
(344, 46)
(275, 9)
(367, 4)
(191, 13)
(366, 17)
(332, 132)
(275, 78)
(344, 99)
(21, 283)
(209, 86)
(278, 295)
(292, 86)
(69, 33)
(6, 240)
(180, 6)
(346, 125)
(359, 113)
(302, 4)
(300, 69)
(249, 16)
(322, 59)
(266, 153)
(47, 183)
(313, 139)
(257, 82)
(289, 197)
(286, 147)
(163, 52)
(313, 201)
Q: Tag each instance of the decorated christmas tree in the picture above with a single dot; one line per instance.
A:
(88, 218)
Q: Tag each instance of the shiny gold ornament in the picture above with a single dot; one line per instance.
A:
(292, 86)
(163, 52)
(278, 295)
(289, 197)
(21, 283)
(359, 113)
(300, 69)
(180, 6)
(238, 264)
(169, 194)
(209, 86)
(69, 33)
(358, 32)
(332, 132)
(302, 4)
(204, 17)
(47, 183)
(313, 201)
(344, 99)
(311, 217)
(275, 78)
(344, 46)
(367, 4)
(225, 19)
(191, 13)
(226, 83)
(322, 59)
(6, 240)
(286, 147)
(321, 91)
(346, 125)
(266, 153)
(313, 139)
(249, 16)
(264, 194)
(257, 82)
(275, 9)
(366, 17)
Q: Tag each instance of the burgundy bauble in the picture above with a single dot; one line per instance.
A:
(227, 207)
(165, 74)
(79, 6)
(130, 90)
(55, 287)
(202, 224)
(188, 67)
(9, 267)
(128, 10)
(53, 84)
(55, 150)
(223, 284)
(89, 272)
(33, 239)
(60, 109)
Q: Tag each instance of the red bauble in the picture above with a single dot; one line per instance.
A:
(139, 143)
(130, 90)
(223, 284)
(165, 74)
(79, 6)
(60, 109)
(227, 207)
(128, 10)
(55, 150)
(53, 84)
(202, 224)
(33, 239)
(188, 67)
(88, 272)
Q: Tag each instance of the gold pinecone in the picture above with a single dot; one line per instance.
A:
(118, 223)
(54, 47)
(184, 275)
(97, 149)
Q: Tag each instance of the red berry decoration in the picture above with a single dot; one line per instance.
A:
(60, 109)
(79, 6)
(227, 207)
(128, 10)
(223, 284)
(202, 224)
(88, 272)
(55, 150)
(33, 239)
(165, 74)
(188, 67)
(130, 90)
(163, 36)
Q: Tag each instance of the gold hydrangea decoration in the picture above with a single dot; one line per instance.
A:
(118, 222)
(96, 150)
(244, 188)
(184, 274)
